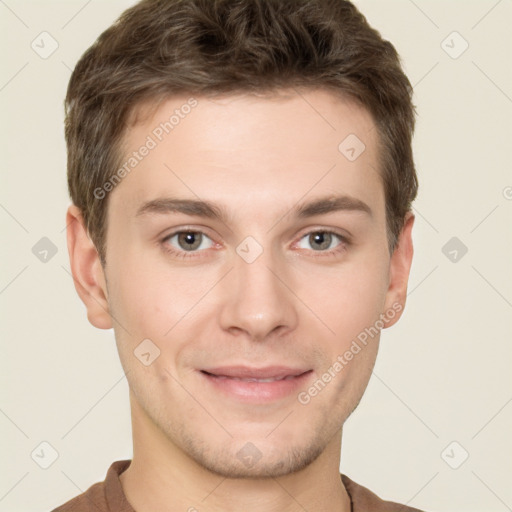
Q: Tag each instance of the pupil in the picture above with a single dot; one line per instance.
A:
(189, 240)
(322, 239)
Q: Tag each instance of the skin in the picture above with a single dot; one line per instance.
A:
(258, 158)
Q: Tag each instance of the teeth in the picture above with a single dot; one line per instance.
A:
(255, 380)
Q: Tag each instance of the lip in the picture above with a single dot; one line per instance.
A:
(246, 372)
(256, 385)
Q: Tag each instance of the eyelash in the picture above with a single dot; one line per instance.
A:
(341, 247)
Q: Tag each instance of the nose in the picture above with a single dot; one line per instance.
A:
(258, 301)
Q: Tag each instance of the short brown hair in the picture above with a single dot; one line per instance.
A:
(161, 48)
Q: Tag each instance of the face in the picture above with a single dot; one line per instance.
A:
(249, 250)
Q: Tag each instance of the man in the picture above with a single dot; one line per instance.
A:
(242, 178)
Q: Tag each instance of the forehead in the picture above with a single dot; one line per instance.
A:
(242, 148)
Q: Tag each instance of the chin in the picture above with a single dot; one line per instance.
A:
(261, 459)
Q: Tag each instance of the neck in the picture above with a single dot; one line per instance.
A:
(163, 477)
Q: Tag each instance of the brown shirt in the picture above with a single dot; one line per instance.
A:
(108, 496)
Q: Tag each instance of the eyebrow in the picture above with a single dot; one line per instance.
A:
(208, 209)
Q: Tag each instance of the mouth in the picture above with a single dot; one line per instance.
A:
(256, 385)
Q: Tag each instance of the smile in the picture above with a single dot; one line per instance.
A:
(254, 386)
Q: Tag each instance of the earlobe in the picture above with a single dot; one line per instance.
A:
(399, 268)
(87, 270)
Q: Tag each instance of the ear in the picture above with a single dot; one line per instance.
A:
(87, 271)
(399, 268)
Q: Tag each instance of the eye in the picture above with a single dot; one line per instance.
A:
(188, 241)
(322, 241)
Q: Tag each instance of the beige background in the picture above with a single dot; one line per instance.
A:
(443, 373)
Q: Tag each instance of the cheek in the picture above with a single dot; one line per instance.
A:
(149, 298)
(163, 305)
(350, 298)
